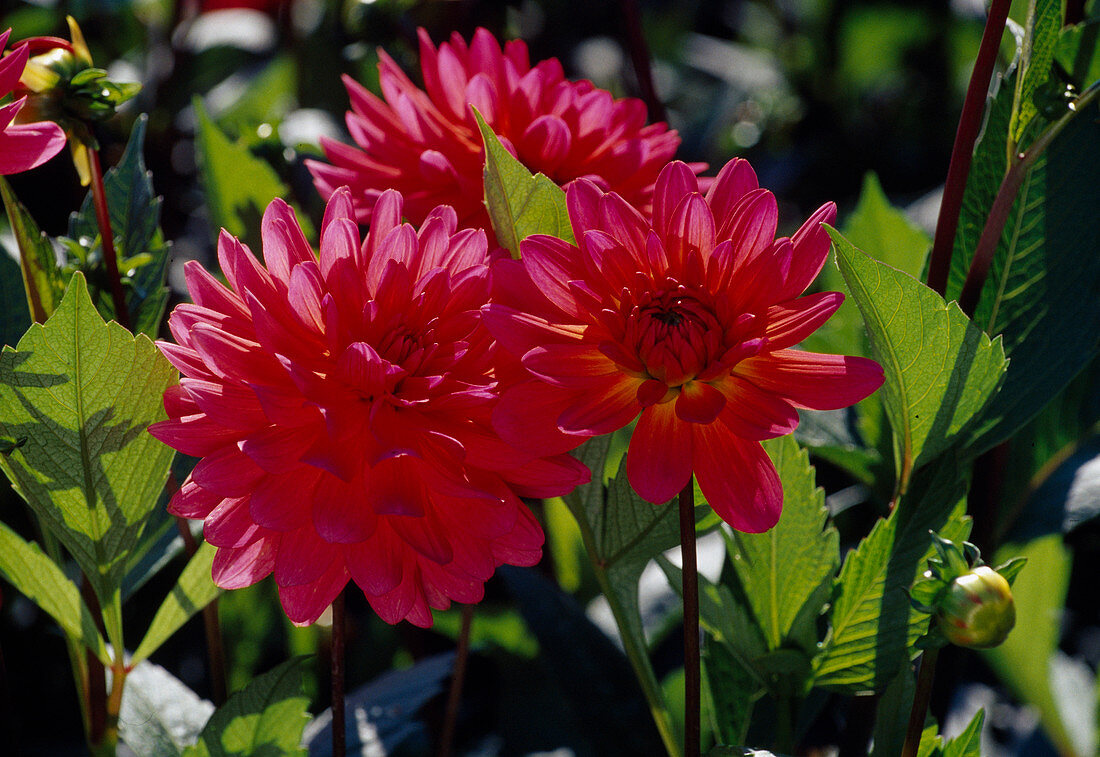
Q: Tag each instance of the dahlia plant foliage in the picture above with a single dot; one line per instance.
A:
(504, 343)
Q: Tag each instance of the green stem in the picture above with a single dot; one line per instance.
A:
(635, 652)
(689, 578)
(784, 724)
(920, 703)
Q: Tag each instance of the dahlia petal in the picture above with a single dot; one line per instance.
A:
(194, 435)
(582, 199)
(229, 524)
(191, 500)
(385, 217)
(734, 181)
(12, 64)
(377, 565)
(814, 381)
(604, 407)
(304, 604)
(184, 359)
(425, 534)
(791, 322)
(280, 502)
(284, 244)
(751, 225)
(516, 331)
(481, 93)
(228, 405)
(811, 249)
(690, 233)
(569, 364)
(609, 262)
(552, 263)
(274, 449)
(208, 292)
(302, 557)
(548, 477)
(395, 487)
(699, 402)
(676, 181)
(27, 146)
(232, 358)
(341, 511)
(227, 473)
(527, 417)
(622, 221)
(658, 461)
(523, 544)
(752, 413)
(549, 138)
(738, 479)
(244, 566)
(452, 82)
(339, 247)
(305, 290)
(442, 585)
(244, 272)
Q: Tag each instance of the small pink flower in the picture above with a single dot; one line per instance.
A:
(22, 146)
(685, 323)
(341, 406)
(426, 144)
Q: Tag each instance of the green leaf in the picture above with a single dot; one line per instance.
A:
(238, 185)
(83, 392)
(1023, 661)
(43, 281)
(941, 369)
(873, 627)
(1078, 52)
(520, 204)
(15, 317)
(40, 580)
(266, 718)
(969, 742)
(194, 591)
(892, 714)
(503, 628)
(1044, 21)
(733, 691)
(884, 232)
(139, 244)
(781, 570)
(1040, 295)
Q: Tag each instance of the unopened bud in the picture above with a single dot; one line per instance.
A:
(977, 610)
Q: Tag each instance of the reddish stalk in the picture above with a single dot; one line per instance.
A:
(454, 696)
(920, 702)
(639, 56)
(97, 675)
(215, 650)
(339, 745)
(970, 122)
(690, 579)
(107, 239)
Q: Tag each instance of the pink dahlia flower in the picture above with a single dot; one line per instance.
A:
(686, 323)
(427, 145)
(22, 146)
(341, 406)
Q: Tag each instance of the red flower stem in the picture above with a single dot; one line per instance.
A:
(920, 703)
(215, 650)
(107, 239)
(1006, 198)
(339, 746)
(454, 696)
(690, 579)
(639, 56)
(970, 122)
(97, 674)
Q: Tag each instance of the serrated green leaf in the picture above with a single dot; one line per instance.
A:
(884, 232)
(194, 591)
(135, 222)
(238, 185)
(873, 626)
(941, 369)
(40, 580)
(15, 317)
(266, 718)
(1044, 21)
(733, 691)
(1078, 52)
(1041, 290)
(782, 569)
(1023, 661)
(83, 392)
(969, 742)
(43, 281)
(520, 204)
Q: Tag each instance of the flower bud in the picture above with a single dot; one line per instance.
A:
(977, 609)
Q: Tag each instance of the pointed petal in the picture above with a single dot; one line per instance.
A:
(658, 462)
(738, 479)
(304, 604)
(810, 380)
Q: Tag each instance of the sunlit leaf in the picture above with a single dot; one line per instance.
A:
(83, 393)
(1037, 53)
(969, 742)
(520, 204)
(941, 369)
(266, 717)
(194, 591)
(40, 580)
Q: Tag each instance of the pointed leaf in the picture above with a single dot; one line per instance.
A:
(194, 591)
(781, 569)
(266, 717)
(40, 580)
(884, 232)
(520, 204)
(83, 392)
(43, 281)
(1044, 21)
(135, 222)
(969, 742)
(873, 626)
(941, 369)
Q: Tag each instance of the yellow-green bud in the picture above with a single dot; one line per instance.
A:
(977, 609)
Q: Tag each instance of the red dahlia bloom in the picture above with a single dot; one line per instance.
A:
(341, 407)
(22, 146)
(687, 320)
(427, 145)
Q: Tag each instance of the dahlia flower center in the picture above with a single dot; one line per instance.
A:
(675, 336)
